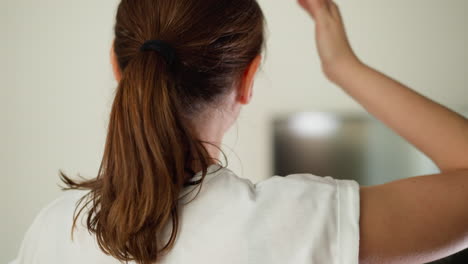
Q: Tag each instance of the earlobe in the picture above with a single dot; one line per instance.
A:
(248, 80)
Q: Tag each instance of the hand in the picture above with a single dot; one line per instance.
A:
(332, 43)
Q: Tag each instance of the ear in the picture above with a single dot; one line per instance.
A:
(115, 65)
(246, 86)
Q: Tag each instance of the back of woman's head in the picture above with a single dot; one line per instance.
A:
(151, 145)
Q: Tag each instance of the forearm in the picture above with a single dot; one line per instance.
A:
(432, 128)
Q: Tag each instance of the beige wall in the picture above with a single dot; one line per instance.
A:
(57, 85)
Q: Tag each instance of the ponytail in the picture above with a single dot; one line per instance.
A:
(149, 149)
(152, 147)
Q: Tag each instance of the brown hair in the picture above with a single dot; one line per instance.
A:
(151, 144)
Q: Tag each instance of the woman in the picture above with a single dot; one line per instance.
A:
(185, 68)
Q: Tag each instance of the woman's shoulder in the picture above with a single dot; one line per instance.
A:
(304, 209)
(50, 230)
(62, 206)
(298, 182)
(292, 186)
(299, 179)
(56, 217)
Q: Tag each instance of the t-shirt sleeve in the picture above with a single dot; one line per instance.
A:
(303, 218)
(348, 220)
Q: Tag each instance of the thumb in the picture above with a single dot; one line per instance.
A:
(314, 7)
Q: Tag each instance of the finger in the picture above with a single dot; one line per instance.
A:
(304, 4)
(310, 6)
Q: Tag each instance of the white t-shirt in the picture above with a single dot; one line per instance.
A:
(297, 219)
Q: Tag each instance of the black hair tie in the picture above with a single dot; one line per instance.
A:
(163, 48)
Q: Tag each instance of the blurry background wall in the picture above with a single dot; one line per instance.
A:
(56, 85)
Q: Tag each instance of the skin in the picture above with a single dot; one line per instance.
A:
(414, 220)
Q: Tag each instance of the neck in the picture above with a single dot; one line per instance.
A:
(211, 126)
(211, 132)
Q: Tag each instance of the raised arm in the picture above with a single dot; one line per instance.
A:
(413, 220)
(438, 132)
